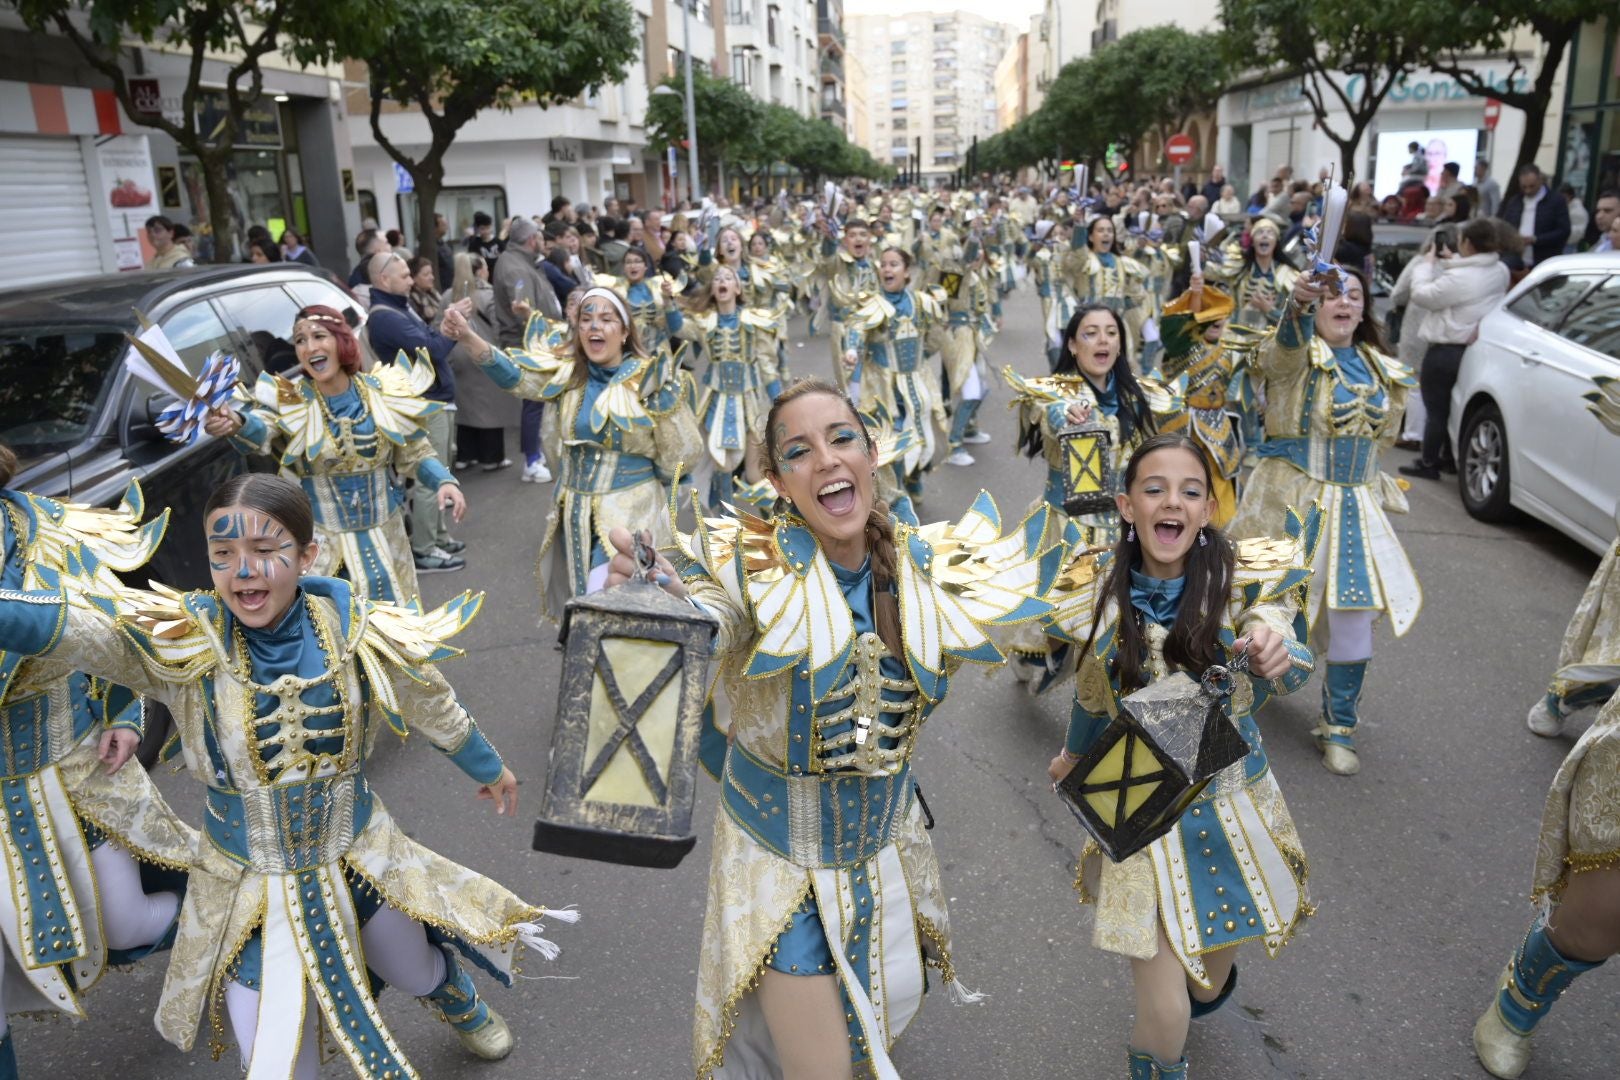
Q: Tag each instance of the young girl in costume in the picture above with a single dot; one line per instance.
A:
(342, 434)
(67, 789)
(279, 683)
(837, 638)
(1176, 595)
(1334, 399)
(1093, 381)
(1099, 272)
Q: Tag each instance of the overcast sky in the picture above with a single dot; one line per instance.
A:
(1016, 12)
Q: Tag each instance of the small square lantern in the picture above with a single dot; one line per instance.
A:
(1168, 742)
(1088, 469)
(629, 716)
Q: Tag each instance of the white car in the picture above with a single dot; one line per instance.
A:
(1525, 438)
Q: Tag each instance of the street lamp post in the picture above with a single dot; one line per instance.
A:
(691, 107)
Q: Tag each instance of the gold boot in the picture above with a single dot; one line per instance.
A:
(492, 1042)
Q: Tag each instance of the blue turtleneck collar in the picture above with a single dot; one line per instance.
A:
(1157, 598)
(1108, 396)
(601, 373)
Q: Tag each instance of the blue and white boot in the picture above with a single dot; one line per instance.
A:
(479, 1027)
(1341, 698)
(8, 1057)
(1144, 1066)
(1536, 976)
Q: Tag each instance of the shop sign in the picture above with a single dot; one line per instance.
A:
(563, 151)
(1288, 98)
(260, 126)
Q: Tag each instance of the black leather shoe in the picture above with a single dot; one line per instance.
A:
(1419, 469)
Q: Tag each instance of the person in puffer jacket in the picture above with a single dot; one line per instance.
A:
(1457, 290)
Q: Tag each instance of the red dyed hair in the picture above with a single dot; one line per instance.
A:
(332, 320)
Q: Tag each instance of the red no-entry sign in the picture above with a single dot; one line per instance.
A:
(1493, 113)
(1179, 149)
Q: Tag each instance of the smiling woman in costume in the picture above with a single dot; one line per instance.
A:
(339, 432)
(622, 427)
(840, 626)
(1334, 399)
(278, 684)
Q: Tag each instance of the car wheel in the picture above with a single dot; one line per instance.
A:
(1482, 465)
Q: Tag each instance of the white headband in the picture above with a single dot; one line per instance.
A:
(611, 297)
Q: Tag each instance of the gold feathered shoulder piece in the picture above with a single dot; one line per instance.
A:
(1268, 568)
(116, 536)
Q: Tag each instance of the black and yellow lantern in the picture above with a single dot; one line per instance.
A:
(1088, 469)
(629, 716)
(1147, 767)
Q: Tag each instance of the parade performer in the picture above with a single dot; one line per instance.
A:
(1259, 282)
(278, 684)
(1093, 380)
(770, 288)
(885, 340)
(342, 434)
(1100, 273)
(739, 383)
(623, 427)
(1577, 887)
(68, 792)
(1176, 595)
(847, 272)
(652, 303)
(1334, 399)
(1058, 299)
(839, 629)
(958, 273)
(1202, 355)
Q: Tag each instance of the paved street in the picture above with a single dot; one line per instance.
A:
(1420, 865)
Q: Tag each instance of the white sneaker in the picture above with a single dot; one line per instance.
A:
(978, 438)
(1543, 720)
(536, 473)
(959, 457)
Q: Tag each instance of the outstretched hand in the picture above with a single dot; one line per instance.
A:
(503, 792)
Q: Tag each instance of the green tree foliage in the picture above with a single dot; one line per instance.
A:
(1348, 55)
(1488, 25)
(241, 34)
(452, 59)
(726, 115)
(1149, 81)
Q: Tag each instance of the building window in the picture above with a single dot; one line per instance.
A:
(898, 86)
(773, 16)
(897, 48)
(944, 157)
(900, 142)
(897, 103)
(897, 67)
(900, 123)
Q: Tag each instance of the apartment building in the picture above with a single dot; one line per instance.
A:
(929, 76)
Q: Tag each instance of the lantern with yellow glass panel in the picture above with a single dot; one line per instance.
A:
(629, 716)
(1168, 742)
(1089, 482)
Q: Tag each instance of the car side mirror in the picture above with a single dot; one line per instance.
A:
(143, 421)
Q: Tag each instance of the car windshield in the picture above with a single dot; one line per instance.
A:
(52, 383)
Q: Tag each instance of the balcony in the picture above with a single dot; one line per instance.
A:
(1104, 34)
(833, 108)
(832, 68)
(830, 30)
(739, 16)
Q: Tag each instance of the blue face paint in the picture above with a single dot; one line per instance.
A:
(226, 527)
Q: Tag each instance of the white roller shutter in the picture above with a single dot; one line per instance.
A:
(45, 212)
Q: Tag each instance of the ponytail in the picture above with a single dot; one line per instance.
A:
(885, 600)
(8, 465)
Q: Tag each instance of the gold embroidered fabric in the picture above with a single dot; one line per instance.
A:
(1580, 823)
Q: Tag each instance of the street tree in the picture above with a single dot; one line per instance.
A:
(453, 59)
(725, 113)
(1348, 55)
(772, 140)
(241, 35)
(1157, 79)
(1488, 25)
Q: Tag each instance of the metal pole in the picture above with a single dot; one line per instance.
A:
(691, 108)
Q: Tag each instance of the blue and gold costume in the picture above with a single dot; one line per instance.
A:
(888, 332)
(59, 800)
(345, 452)
(738, 385)
(620, 434)
(1329, 411)
(278, 724)
(821, 864)
(1232, 869)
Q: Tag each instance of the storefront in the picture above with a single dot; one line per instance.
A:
(1589, 141)
(1266, 126)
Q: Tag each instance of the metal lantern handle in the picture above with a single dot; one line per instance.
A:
(645, 555)
(1216, 682)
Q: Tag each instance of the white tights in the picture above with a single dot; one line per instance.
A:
(129, 917)
(1349, 635)
(396, 948)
